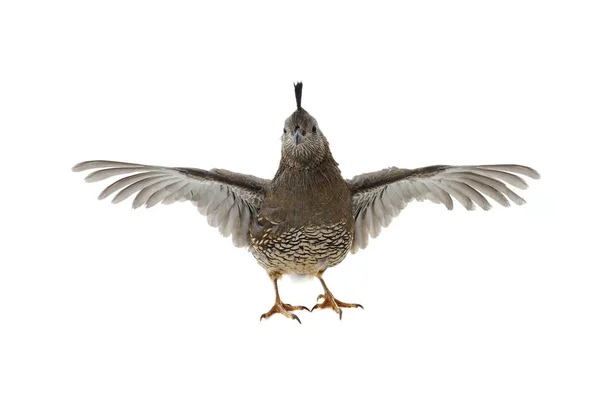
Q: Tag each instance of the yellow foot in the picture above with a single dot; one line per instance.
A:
(283, 308)
(331, 302)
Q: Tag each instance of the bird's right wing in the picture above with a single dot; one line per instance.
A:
(229, 200)
(379, 196)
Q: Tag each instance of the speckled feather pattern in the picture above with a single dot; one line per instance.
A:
(303, 250)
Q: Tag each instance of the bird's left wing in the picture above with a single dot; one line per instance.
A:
(379, 196)
(229, 200)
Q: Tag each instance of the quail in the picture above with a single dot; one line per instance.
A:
(308, 217)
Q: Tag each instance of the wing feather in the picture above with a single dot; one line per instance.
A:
(163, 193)
(457, 194)
(426, 193)
(487, 190)
(135, 187)
(183, 193)
(144, 195)
(440, 193)
(233, 220)
(109, 173)
(240, 235)
(509, 178)
(123, 182)
(472, 194)
(517, 169)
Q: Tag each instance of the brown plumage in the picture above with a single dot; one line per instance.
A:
(308, 217)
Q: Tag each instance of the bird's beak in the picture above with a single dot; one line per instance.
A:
(298, 136)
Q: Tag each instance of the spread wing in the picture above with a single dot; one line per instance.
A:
(229, 200)
(377, 197)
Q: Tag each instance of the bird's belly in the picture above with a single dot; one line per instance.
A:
(304, 250)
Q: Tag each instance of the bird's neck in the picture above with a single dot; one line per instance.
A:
(322, 164)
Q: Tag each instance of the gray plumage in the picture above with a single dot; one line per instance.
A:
(308, 217)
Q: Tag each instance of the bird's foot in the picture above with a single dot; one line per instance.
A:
(283, 308)
(331, 302)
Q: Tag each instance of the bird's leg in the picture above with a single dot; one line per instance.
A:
(331, 302)
(282, 308)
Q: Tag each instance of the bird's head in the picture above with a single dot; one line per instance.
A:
(302, 144)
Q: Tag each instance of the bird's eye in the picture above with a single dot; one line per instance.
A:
(314, 130)
(284, 130)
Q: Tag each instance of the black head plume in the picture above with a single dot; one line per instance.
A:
(298, 90)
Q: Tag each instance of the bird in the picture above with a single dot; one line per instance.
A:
(307, 218)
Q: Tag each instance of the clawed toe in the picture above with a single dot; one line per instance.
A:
(336, 305)
(284, 309)
(289, 307)
(348, 305)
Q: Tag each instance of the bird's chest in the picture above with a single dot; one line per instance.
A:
(303, 249)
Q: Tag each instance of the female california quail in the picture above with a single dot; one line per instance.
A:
(307, 218)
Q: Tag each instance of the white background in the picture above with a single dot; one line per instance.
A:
(101, 302)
